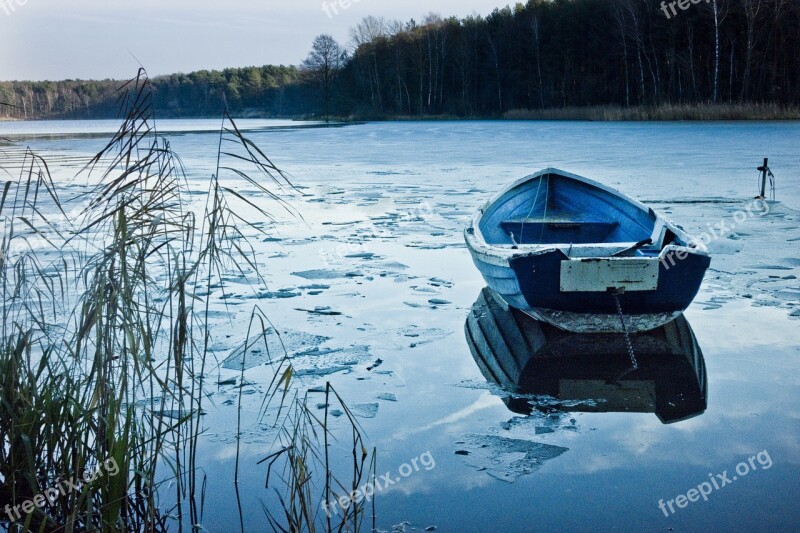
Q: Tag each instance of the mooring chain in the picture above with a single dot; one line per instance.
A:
(628, 342)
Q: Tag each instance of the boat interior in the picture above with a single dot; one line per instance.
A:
(584, 219)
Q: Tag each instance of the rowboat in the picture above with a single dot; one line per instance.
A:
(584, 257)
(549, 369)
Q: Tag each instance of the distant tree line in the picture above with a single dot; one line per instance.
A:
(565, 53)
(257, 91)
(540, 55)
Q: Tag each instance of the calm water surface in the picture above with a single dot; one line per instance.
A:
(561, 467)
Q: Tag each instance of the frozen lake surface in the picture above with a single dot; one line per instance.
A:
(371, 291)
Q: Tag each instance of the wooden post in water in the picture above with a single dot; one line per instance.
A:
(763, 169)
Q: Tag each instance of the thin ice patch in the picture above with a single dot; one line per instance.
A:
(416, 336)
(325, 274)
(542, 400)
(388, 396)
(292, 341)
(322, 371)
(365, 410)
(506, 459)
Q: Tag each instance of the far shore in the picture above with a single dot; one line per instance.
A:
(703, 112)
(667, 112)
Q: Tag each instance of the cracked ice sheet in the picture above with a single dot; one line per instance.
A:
(506, 459)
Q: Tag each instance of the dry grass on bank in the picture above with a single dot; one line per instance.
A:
(663, 112)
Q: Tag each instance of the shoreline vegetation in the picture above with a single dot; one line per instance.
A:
(106, 343)
(666, 113)
(608, 113)
(543, 59)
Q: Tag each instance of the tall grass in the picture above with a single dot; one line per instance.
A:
(665, 112)
(104, 343)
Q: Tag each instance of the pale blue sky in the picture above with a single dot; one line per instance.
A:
(58, 39)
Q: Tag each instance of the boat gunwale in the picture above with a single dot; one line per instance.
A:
(501, 254)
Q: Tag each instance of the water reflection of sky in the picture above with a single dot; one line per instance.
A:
(618, 465)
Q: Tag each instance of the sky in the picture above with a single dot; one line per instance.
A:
(99, 39)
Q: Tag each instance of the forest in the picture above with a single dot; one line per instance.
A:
(262, 91)
(538, 56)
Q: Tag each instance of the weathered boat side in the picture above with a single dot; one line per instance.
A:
(516, 243)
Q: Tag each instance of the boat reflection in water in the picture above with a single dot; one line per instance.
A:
(587, 372)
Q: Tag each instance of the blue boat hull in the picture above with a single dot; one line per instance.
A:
(546, 278)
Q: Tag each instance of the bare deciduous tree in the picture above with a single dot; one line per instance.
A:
(322, 64)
